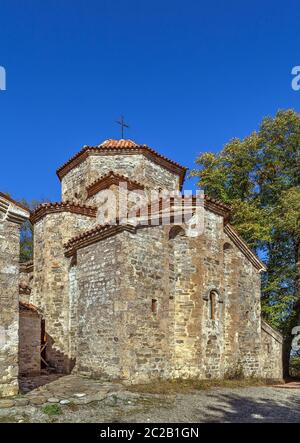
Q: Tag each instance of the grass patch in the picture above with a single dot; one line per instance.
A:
(52, 410)
(177, 386)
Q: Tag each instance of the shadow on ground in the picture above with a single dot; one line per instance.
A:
(235, 408)
(28, 384)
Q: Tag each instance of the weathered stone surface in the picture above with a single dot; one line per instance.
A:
(150, 303)
(52, 285)
(271, 350)
(120, 276)
(7, 403)
(37, 400)
(25, 281)
(137, 167)
(29, 342)
(11, 216)
(21, 401)
(53, 400)
(64, 402)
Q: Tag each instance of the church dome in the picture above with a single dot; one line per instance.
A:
(121, 143)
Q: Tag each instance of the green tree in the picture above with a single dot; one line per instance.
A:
(26, 234)
(259, 177)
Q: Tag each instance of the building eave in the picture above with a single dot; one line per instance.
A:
(94, 235)
(110, 179)
(244, 248)
(271, 331)
(145, 150)
(58, 207)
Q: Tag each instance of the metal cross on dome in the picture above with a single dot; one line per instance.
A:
(123, 125)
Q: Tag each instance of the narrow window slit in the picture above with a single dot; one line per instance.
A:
(154, 306)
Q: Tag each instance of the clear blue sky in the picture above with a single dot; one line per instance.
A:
(187, 75)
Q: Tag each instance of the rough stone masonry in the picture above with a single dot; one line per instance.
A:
(12, 215)
(138, 302)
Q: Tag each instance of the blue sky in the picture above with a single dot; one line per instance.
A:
(187, 75)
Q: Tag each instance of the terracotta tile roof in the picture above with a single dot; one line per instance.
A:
(111, 179)
(94, 235)
(104, 231)
(217, 202)
(50, 208)
(122, 147)
(210, 204)
(110, 143)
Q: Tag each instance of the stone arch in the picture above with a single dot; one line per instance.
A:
(218, 293)
(175, 237)
(215, 301)
(182, 346)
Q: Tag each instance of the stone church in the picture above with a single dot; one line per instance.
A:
(130, 301)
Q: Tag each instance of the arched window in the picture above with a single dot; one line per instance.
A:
(213, 297)
(154, 306)
(227, 247)
(176, 231)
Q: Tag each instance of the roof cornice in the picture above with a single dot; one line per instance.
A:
(101, 232)
(271, 331)
(94, 235)
(244, 248)
(217, 207)
(111, 149)
(53, 208)
(109, 179)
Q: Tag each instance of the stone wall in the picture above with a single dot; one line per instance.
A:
(29, 342)
(242, 313)
(9, 290)
(11, 216)
(25, 281)
(51, 286)
(135, 167)
(145, 285)
(149, 303)
(271, 352)
(145, 309)
(101, 335)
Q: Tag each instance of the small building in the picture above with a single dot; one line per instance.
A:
(145, 300)
(138, 299)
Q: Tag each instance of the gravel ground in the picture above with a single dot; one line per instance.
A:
(253, 404)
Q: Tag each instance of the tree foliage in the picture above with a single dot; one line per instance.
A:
(259, 177)
(26, 234)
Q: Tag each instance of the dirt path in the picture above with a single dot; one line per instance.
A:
(251, 404)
